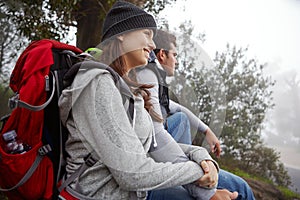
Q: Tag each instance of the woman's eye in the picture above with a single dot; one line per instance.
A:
(147, 33)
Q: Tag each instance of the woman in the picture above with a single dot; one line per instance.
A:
(92, 110)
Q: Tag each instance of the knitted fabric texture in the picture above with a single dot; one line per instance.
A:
(124, 16)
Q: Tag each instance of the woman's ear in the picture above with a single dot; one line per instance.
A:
(120, 38)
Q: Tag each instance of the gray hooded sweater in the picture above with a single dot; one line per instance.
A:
(94, 114)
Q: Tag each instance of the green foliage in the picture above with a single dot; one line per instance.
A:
(248, 97)
(10, 45)
(41, 19)
(155, 6)
(52, 19)
(287, 193)
(227, 165)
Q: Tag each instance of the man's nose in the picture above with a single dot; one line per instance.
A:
(176, 65)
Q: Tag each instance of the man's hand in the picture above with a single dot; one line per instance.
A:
(213, 142)
(224, 195)
(210, 177)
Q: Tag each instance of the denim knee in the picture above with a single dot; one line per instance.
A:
(182, 118)
(179, 127)
(233, 183)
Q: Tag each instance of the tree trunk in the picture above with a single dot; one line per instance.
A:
(90, 17)
(89, 22)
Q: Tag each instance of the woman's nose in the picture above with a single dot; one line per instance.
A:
(152, 45)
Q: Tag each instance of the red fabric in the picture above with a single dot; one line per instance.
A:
(64, 194)
(67, 196)
(28, 78)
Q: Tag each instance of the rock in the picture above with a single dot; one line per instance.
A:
(264, 191)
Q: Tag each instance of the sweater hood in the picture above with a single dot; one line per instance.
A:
(71, 94)
(88, 71)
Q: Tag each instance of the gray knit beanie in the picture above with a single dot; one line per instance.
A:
(124, 16)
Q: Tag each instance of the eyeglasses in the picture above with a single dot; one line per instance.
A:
(173, 53)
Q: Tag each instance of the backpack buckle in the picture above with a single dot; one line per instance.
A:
(13, 101)
(90, 160)
(44, 149)
(141, 194)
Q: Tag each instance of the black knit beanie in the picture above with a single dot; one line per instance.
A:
(124, 16)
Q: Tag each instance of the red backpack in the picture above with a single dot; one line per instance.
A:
(31, 175)
(42, 71)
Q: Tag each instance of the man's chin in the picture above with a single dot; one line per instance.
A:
(171, 74)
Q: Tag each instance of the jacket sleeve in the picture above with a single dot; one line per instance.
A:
(168, 150)
(108, 131)
(147, 76)
(162, 136)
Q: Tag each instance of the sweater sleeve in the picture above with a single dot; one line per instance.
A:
(194, 120)
(108, 131)
(197, 154)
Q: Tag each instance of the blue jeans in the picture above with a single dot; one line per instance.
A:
(227, 181)
(179, 127)
(233, 183)
(174, 193)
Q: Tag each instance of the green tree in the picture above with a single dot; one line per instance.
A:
(54, 18)
(248, 98)
(264, 162)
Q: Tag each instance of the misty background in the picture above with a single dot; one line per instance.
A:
(270, 29)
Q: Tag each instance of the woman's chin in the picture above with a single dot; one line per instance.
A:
(141, 64)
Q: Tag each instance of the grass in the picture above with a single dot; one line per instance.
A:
(288, 194)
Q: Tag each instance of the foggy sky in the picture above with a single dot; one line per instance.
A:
(270, 29)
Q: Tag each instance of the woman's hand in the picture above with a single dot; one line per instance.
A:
(213, 142)
(210, 177)
(224, 195)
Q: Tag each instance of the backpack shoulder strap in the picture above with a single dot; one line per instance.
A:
(89, 161)
(163, 89)
(158, 73)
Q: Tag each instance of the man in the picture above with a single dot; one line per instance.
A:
(177, 118)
